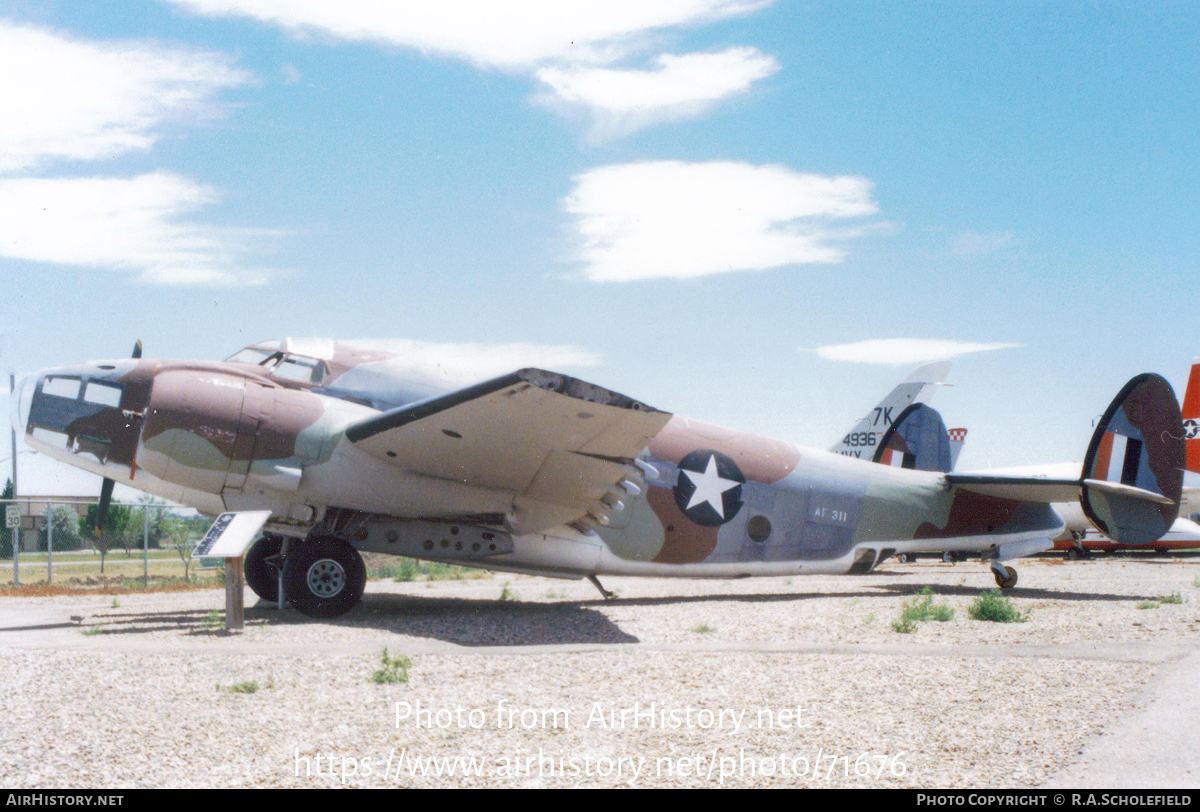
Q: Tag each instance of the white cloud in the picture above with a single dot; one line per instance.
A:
(898, 351)
(512, 34)
(974, 243)
(140, 225)
(677, 86)
(451, 365)
(670, 219)
(72, 99)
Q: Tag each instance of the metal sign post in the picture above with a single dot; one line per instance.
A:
(146, 546)
(49, 542)
(12, 521)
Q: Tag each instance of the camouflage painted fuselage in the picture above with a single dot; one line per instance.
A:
(711, 502)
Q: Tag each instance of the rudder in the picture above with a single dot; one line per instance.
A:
(1138, 443)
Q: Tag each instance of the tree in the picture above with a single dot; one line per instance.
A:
(6, 549)
(179, 536)
(116, 525)
(65, 523)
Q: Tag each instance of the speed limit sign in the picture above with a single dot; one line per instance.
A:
(12, 517)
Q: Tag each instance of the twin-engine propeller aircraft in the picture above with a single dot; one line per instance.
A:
(538, 472)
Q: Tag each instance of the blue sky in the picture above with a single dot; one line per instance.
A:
(683, 200)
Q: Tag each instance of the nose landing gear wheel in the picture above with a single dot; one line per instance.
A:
(324, 577)
(1008, 580)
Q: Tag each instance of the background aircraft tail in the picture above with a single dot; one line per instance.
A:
(1138, 444)
(917, 439)
(864, 437)
(957, 438)
(1191, 423)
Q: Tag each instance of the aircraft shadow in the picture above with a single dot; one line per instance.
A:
(480, 622)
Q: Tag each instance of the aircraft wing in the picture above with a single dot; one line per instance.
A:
(1046, 489)
(559, 445)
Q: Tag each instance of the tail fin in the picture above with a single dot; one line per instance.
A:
(917, 439)
(864, 436)
(1138, 443)
(1191, 422)
(957, 438)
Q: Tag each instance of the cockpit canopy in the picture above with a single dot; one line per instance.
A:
(289, 359)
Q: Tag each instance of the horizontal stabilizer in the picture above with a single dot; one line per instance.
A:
(1047, 489)
(1019, 488)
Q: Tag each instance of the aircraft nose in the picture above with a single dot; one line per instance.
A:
(19, 402)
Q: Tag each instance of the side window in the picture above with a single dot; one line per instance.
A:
(103, 394)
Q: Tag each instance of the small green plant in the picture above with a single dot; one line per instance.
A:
(94, 630)
(997, 608)
(116, 604)
(507, 594)
(1174, 597)
(921, 608)
(392, 669)
(213, 619)
(247, 687)
(869, 618)
(1148, 605)
(703, 629)
(407, 571)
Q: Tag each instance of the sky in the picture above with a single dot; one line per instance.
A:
(760, 214)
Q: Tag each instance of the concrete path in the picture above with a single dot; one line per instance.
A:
(1157, 745)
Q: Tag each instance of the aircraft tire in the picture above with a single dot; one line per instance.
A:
(1073, 554)
(324, 577)
(902, 558)
(1007, 582)
(262, 575)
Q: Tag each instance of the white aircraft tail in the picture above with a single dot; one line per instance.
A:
(864, 436)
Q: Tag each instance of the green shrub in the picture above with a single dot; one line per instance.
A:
(392, 669)
(703, 629)
(247, 687)
(1148, 605)
(921, 608)
(1174, 597)
(997, 608)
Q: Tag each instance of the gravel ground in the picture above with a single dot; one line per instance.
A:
(144, 699)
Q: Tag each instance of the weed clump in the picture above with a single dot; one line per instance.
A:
(392, 670)
(997, 608)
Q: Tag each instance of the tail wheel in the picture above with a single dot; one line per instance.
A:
(262, 567)
(1073, 554)
(324, 577)
(1008, 580)
(902, 558)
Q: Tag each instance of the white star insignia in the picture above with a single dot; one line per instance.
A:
(710, 487)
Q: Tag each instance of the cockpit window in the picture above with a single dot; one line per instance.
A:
(105, 394)
(250, 356)
(62, 387)
(300, 369)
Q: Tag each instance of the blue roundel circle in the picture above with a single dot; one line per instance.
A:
(709, 487)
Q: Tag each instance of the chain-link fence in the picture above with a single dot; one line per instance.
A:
(60, 537)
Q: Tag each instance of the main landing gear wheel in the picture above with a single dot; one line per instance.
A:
(903, 558)
(324, 577)
(262, 567)
(1008, 580)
